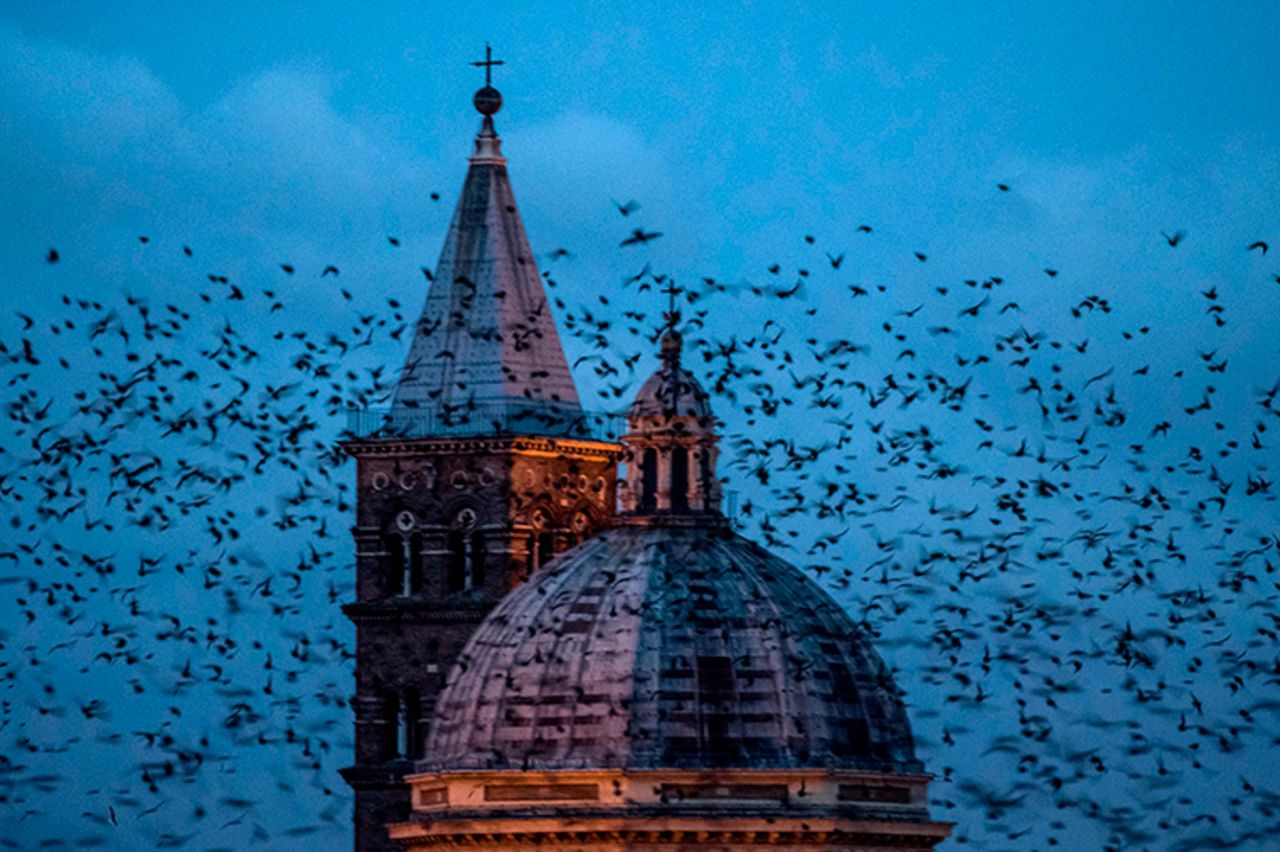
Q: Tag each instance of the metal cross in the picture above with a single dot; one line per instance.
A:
(487, 63)
(672, 291)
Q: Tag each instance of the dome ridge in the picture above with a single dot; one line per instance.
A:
(653, 646)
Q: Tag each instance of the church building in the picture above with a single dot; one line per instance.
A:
(561, 642)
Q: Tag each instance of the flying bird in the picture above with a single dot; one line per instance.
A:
(639, 235)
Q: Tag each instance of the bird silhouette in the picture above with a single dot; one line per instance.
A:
(1052, 508)
(639, 236)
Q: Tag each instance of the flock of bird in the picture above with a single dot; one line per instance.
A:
(1060, 527)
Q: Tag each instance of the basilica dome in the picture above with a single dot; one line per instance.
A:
(669, 641)
(668, 684)
(669, 644)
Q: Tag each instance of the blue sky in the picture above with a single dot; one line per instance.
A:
(308, 133)
(283, 129)
(730, 114)
(290, 127)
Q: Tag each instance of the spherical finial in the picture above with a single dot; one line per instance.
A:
(487, 100)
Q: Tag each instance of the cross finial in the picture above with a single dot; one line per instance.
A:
(670, 343)
(673, 315)
(487, 63)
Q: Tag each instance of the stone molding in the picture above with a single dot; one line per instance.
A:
(515, 444)
(797, 809)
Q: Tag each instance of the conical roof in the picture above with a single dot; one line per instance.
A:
(486, 347)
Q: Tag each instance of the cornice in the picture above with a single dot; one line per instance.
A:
(384, 777)
(531, 445)
(415, 610)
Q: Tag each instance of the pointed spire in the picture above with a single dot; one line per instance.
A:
(488, 146)
(486, 349)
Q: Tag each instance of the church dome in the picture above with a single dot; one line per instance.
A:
(672, 391)
(661, 684)
(670, 645)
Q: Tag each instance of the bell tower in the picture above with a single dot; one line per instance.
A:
(484, 468)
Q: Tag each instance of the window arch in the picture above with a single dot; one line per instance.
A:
(456, 581)
(391, 720)
(649, 480)
(394, 546)
(466, 545)
(414, 733)
(680, 479)
(475, 561)
(403, 731)
(541, 543)
(413, 571)
(433, 656)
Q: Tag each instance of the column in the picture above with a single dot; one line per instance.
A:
(664, 479)
(697, 468)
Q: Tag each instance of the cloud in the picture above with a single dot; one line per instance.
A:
(567, 172)
(94, 105)
(95, 145)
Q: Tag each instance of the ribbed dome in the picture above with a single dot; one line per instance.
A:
(664, 645)
(672, 391)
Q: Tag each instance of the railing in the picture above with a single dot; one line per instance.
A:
(485, 419)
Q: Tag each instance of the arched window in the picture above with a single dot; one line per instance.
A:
(466, 561)
(475, 564)
(414, 739)
(413, 576)
(649, 480)
(395, 566)
(679, 479)
(539, 544)
(402, 728)
(392, 728)
(546, 547)
(433, 656)
(456, 581)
